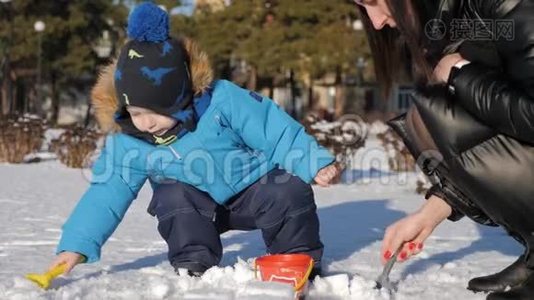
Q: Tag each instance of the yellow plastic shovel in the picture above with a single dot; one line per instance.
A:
(44, 280)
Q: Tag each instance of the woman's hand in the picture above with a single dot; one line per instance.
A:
(443, 69)
(70, 259)
(411, 231)
(327, 174)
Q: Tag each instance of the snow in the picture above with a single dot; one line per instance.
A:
(377, 127)
(50, 135)
(371, 157)
(37, 198)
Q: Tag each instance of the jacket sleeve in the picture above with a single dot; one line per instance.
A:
(492, 95)
(102, 207)
(489, 96)
(426, 163)
(437, 171)
(265, 127)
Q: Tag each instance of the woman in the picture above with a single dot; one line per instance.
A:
(472, 126)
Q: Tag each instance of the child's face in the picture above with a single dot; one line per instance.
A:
(149, 121)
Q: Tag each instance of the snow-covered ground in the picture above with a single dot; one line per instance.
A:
(35, 199)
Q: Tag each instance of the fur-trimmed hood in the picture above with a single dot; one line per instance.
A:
(103, 95)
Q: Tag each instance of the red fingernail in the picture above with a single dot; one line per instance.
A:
(387, 255)
(420, 246)
(411, 246)
(403, 255)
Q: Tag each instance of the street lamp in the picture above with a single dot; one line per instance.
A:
(39, 27)
(103, 46)
(357, 25)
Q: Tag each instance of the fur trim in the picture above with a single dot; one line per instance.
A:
(104, 99)
(201, 71)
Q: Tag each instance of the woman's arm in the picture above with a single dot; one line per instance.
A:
(410, 232)
(488, 95)
(503, 100)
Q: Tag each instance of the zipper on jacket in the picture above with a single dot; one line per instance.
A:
(175, 153)
(220, 121)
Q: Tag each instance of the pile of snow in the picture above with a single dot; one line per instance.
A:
(50, 135)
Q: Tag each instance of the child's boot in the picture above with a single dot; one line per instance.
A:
(193, 269)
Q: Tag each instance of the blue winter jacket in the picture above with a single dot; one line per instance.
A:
(240, 137)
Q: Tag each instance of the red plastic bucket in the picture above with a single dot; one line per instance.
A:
(292, 269)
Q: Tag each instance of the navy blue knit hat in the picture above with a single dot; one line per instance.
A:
(153, 71)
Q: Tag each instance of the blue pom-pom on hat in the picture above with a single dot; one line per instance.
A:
(148, 23)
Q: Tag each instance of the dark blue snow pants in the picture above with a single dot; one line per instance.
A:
(279, 204)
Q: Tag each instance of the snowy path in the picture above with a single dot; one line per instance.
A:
(36, 198)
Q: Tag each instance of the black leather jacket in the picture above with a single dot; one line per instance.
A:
(484, 131)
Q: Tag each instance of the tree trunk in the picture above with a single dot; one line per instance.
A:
(5, 96)
(310, 96)
(15, 105)
(252, 82)
(20, 96)
(339, 100)
(55, 99)
(293, 92)
(6, 93)
(226, 70)
(271, 88)
(38, 102)
(8, 101)
(11, 92)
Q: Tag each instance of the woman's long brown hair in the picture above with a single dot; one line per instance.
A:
(403, 50)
